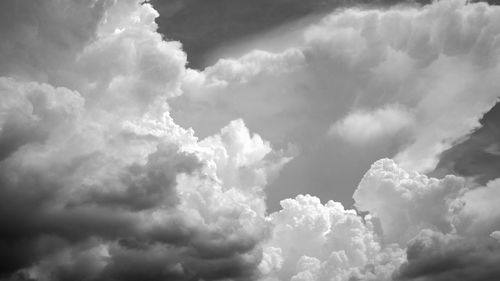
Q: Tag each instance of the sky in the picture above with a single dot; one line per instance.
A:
(327, 169)
(249, 140)
(203, 26)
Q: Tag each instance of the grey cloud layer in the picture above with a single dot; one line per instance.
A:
(98, 182)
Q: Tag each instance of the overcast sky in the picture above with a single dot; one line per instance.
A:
(241, 140)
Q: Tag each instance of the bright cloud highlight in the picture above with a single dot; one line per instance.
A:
(363, 127)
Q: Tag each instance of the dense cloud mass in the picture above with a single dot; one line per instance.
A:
(436, 256)
(99, 182)
(411, 62)
(377, 82)
(406, 202)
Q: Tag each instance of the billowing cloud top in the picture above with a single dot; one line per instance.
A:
(99, 182)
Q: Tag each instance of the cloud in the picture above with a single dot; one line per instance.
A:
(435, 256)
(30, 111)
(96, 213)
(406, 202)
(406, 57)
(495, 235)
(363, 127)
(99, 182)
(341, 245)
(476, 156)
(201, 31)
(41, 39)
(252, 65)
(416, 62)
(480, 215)
(447, 229)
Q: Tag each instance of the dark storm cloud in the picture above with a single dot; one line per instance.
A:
(433, 256)
(33, 228)
(145, 185)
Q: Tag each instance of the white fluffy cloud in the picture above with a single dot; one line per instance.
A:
(426, 59)
(445, 227)
(362, 127)
(312, 241)
(105, 185)
(407, 202)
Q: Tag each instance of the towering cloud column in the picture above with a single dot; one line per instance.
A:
(97, 181)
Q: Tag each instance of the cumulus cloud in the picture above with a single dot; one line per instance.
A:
(438, 63)
(447, 229)
(99, 182)
(341, 245)
(407, 202)
(362, 127)
(102, 183)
